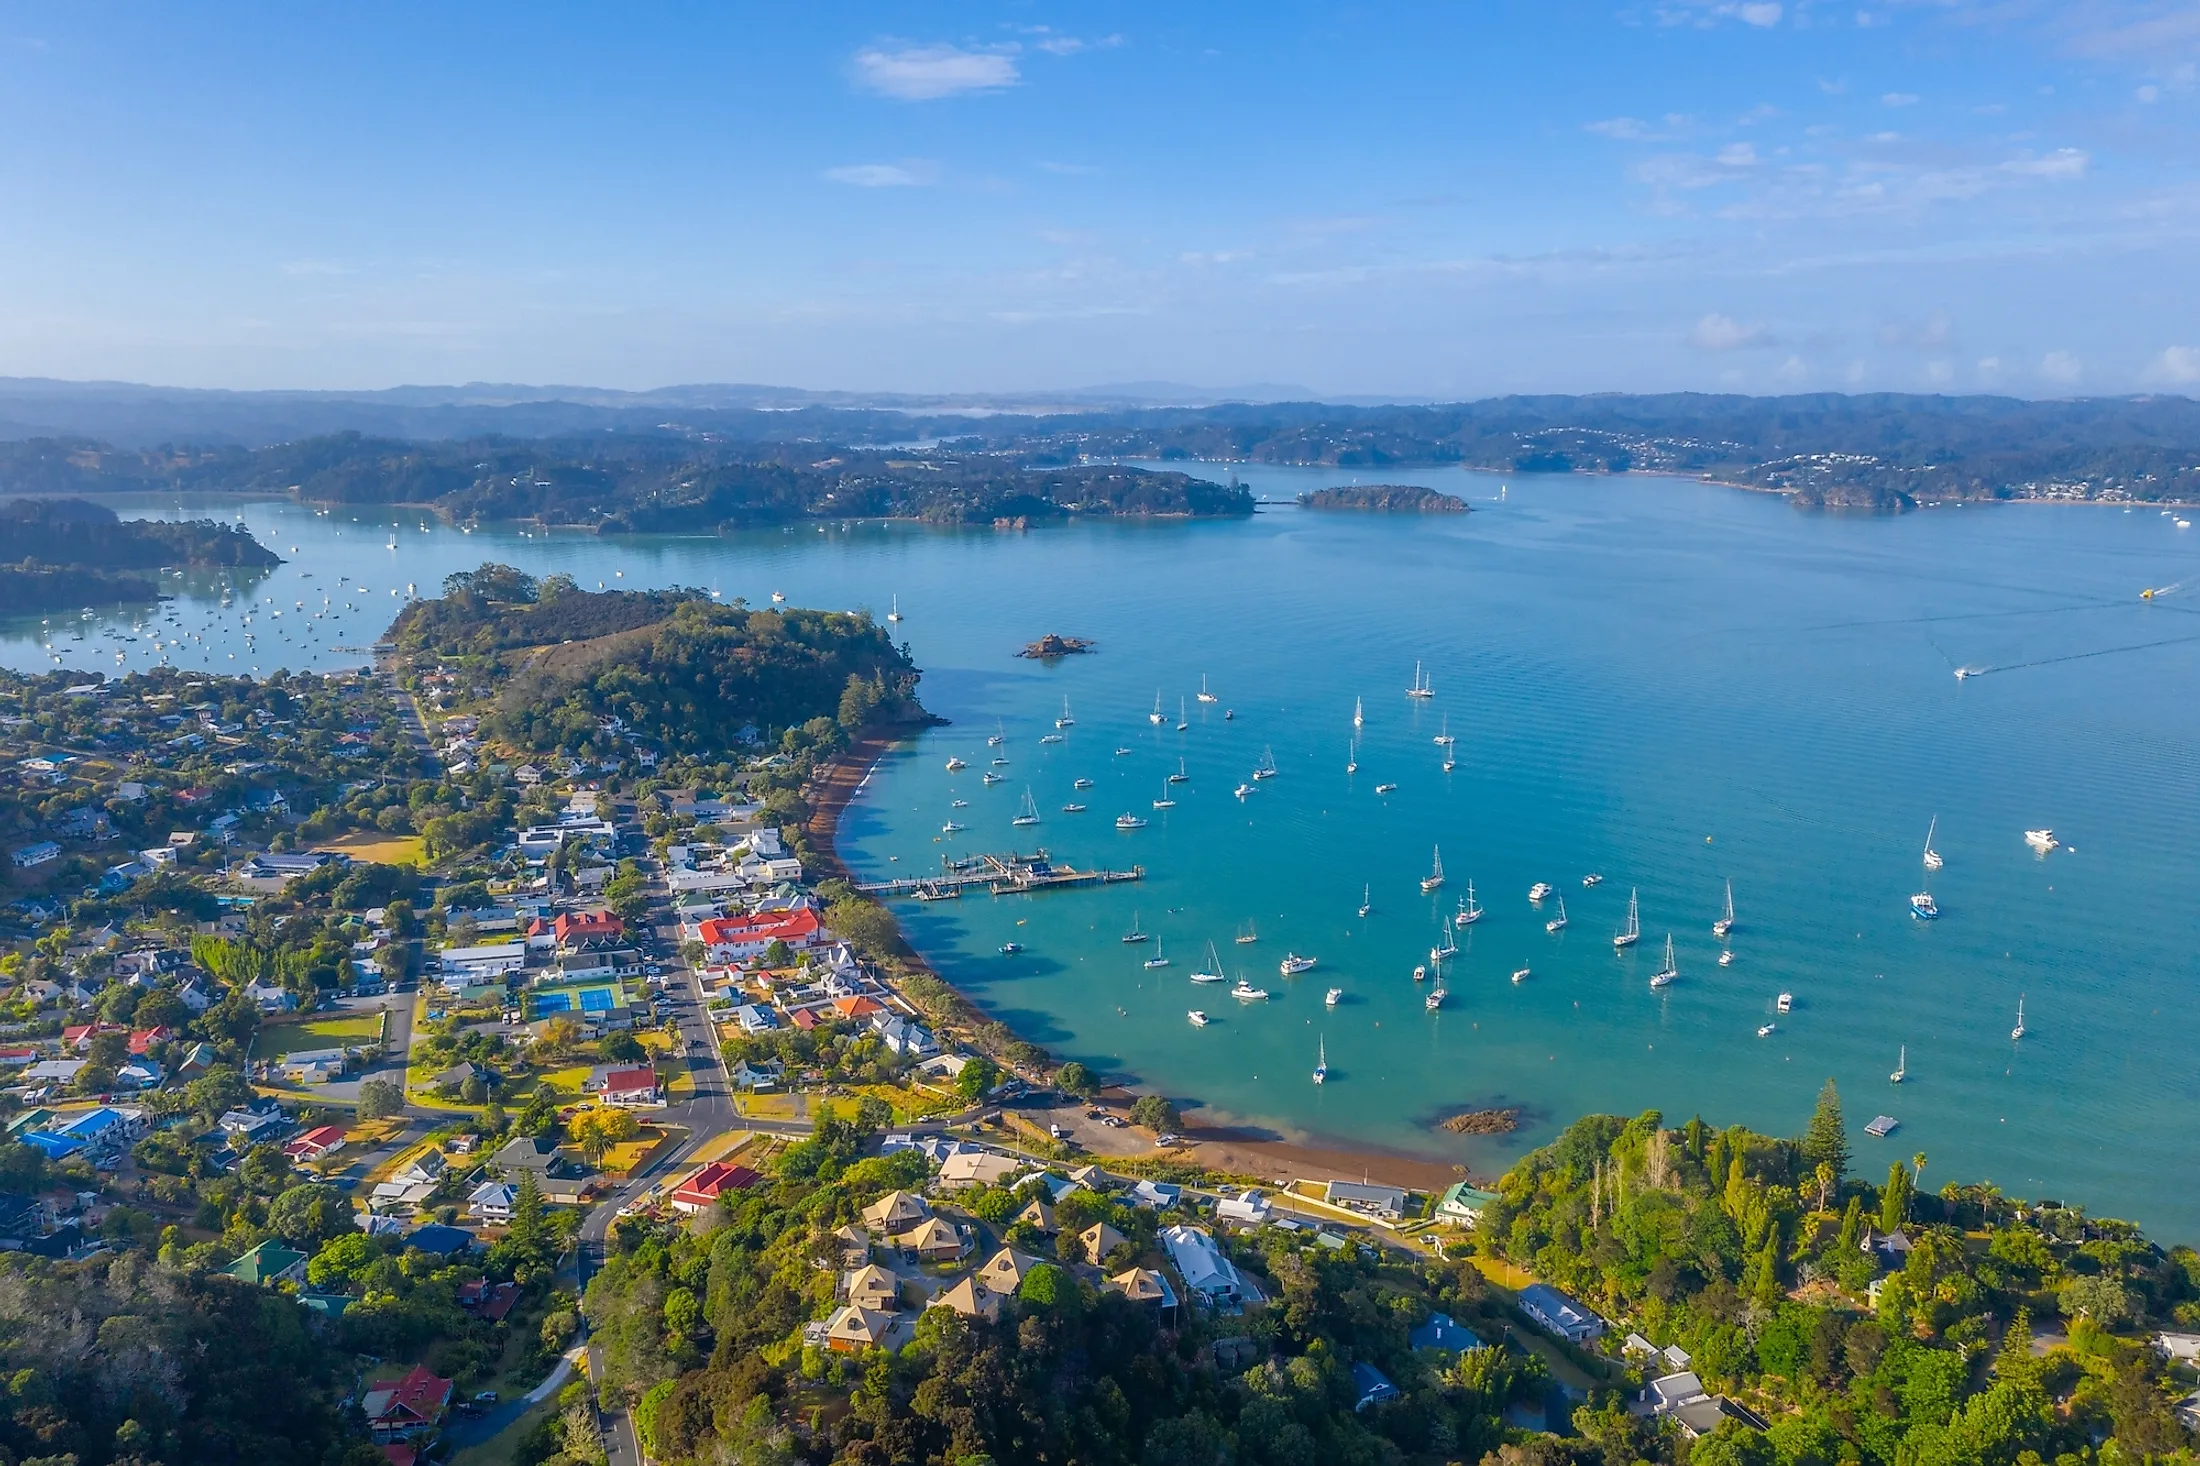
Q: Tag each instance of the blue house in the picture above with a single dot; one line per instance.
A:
(1441, 1333)
(1370, 1386)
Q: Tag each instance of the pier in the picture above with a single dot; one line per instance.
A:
(1001, 875)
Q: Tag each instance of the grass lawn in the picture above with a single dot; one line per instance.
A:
(380, 849)
(768, 1106)
(348, 1030)
(626, 1159)
(1501, 1272)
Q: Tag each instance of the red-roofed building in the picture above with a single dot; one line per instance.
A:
(79, 1036)
(412, 1406)
(633, 1088)
(739, 938)
(486, 1300)
(701, 1191)
(143, 1040)
(579, 926)
(315, 1143)
(397, 1453)
(857, 1006)
(804, 1018)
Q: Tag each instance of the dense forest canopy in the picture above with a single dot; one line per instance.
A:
(64, 553)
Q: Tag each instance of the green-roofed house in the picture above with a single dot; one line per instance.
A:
(1463, 1203)
(270, 1262)
(196, 1060)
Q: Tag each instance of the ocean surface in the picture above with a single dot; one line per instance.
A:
(1670, 684)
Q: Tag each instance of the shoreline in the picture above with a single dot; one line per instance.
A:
(1222, 1145)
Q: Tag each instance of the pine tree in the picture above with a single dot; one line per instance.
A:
(1826, 1142)
(1764, 1285)
(1851, 1235)
(1894, 1202)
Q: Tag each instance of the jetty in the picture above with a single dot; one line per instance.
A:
(1012, 874)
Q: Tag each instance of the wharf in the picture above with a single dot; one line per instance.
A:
(1001, 875)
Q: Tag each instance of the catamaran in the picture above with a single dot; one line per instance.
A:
(1932, 856)
(1293, 964)
(1420, 687)
(1557, 923)
(1665, 975)
(1470, 911)
(1155, 717)
(2018, 1031)
(1065, 721)
(1321, 1061)
(1435, 877)
(1901, 1066)
(1204, 694)
(1266, 768)
(1028, 814)
(1631, 933)
(1725, 923)
(1367, 899)
(1137, 933)
(1212, 972)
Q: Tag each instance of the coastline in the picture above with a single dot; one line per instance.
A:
(1222, 1145)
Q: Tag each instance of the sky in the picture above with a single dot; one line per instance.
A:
(1399, 199)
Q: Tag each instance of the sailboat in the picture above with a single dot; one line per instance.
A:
(1725, 923)
(1470, 911)
(1204, 694)
(1359, 714)
(1630, 934)
(1665, 975)
(1352, 759)
(1321, 1061)
(1450, 763)
(1266, 768)
(1901, 1066)
(1445, 737)
(1180, 776)
(1182, 722)
(1136, 933)
(1435, 877)
(1212, 972)
(2018, 1031)
(1155, 717)
(1445, 948)
(1028, 814)
(1420, 687)
(1250, 935)
(1165, 801)
(895, 614)
(1159, 957)
(1065, 721)
(1557, 923)
(999, 735)
(1435, 999)
(1367, 899)
(1932, 856)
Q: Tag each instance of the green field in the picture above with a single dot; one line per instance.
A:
(348, 1030)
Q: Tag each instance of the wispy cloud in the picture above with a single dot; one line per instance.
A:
(1716, 332)
(909, 173)
(2061, 366)
(1625, 129)
(1070, 170)
(928, 73)
(2178, 364)
(1898, 99)
(2061, 163)
(1760, 13)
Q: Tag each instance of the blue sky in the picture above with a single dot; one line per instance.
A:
(1422, 200)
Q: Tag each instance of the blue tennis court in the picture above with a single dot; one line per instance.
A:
(553, 1002)
(598, 1000)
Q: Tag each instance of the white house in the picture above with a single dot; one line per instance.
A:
(478, 964)
(1200, 1263)
(27, 856)
(491, 1201)
(1249, 1209)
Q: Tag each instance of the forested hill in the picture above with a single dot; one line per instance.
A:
(649, 482)
(546, 664)
(64, 553)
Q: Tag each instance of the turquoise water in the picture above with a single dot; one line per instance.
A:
(1668, 683)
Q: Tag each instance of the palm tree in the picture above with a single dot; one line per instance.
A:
(1824, 1177)
(1918, 1161)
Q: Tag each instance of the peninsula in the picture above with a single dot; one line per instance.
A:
(66, 553)
(1385, 498)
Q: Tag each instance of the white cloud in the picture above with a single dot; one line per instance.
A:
(1700, 13)
(1717, 332)
(2179, 364)
(1071, 170)
(927, 73)
(2061, 366)
(2149, 93)
(1626, 129)
(909, 173)
(1899, 99)
(2062, 163)
(1762, 14)
(1738, 155)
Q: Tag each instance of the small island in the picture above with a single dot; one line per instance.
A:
(65, 553)
(1385, 499)
(1047, 648)
(1483, 1122)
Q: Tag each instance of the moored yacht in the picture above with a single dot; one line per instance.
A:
(1631, 933)
(1065, 721)
(1725, 923)
(1129, 822)
(1665, 974)
(1332, 997)
(2018, 1031)
(1245, 992)
(1204, 694)
(1029, 813)
(1932, 856)
(1198, 1017)
(1557, 923)
(1540, 891)
(992, 778)
(1435, 877)
(1434, 1000)
(956, 766)
(1155, 717)
(1137, 933)
(951, 828)
(1159, 958)
(1923, 907)
(1421, 686)
(1470, 910)
(1180, 776)
(1212, 972)
(1520, 974)
(1266, 768)
(1321, 1061)
(1785, 1003)
(1080, 784)
(1367, 899)
(1166, 801)
(2041, 840)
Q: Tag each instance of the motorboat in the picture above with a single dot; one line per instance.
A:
(2041, 840)
(1052, 738)
(1122, 753)
(1591, 879)
(1010, 949)
(993, 778)
(1520, 974)
(1785, 1003)
(1331, 998)
(1765, 1030)
(1080, 784)
(958, 804)
(1923, 907)
(1420, 974)
(1073, 808)
(951, 828)
(1129, 822)
(1726, 958)
(1198, 1017)
(1386, 788)
(1245, 992)
(1540, 891)
(1244, 791)
(956, 766)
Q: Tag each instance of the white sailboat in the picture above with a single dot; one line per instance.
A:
(1352, 759)
(1359, 714)
(1155, 717)
(1165, 801)
(2018, 1031)
(1266, 768)
(1137, 933)
(1445, 948)
(1180, 776)
(1445, 737)
(1901, 1066)
(895, 614)
(1725, 923)
(1250, 935)
(1204, 694)
(1212, 972)
(1932, 856)
(1159, 958)
(1435, 877)
(1665, 975)
(1421, 686)
(1631, 933)
(1065, 721)
(1321, 1061)
(1182, 722)
(1367, 899)
(1557, 923)
(1470, 910)
(999, 736)
(1028, 814)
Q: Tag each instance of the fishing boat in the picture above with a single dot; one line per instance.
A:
(1631, 933)
(1182, 722)
(1198, 1017)
(1129, 822)
(1444, 738)
(999, 735)
(1386, 788)
(1204, 694)
(1029, 813)
(1901, 1065)
(1245, 992)
(1923, 907)
(1250, 935)
(1212, 972)
(1137, 933)
(956, 766)
(2018, 1031)
(1420, 974)
(1165, 801)
(1010, 949)
(1331, 998)
(991, 778)
(1932, 856)
(1321, 1061)
(1073, 807)
(2041, 840)
(1434, 1000)
(1359, 714)
(1557, 923)
(1725, 923)
(1065, 721)
(1420, 687)
(1245, 791)
(1435, 877)
(1664, 975)
(1266, 768)
(1445, 948)
(1785, 1003)
(1367, 899)
(1520, 974)
(1540, 892)
(1180, 776)
(1156, 717)
(1591, 879)
(1080, 784)
(1765, 1030)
